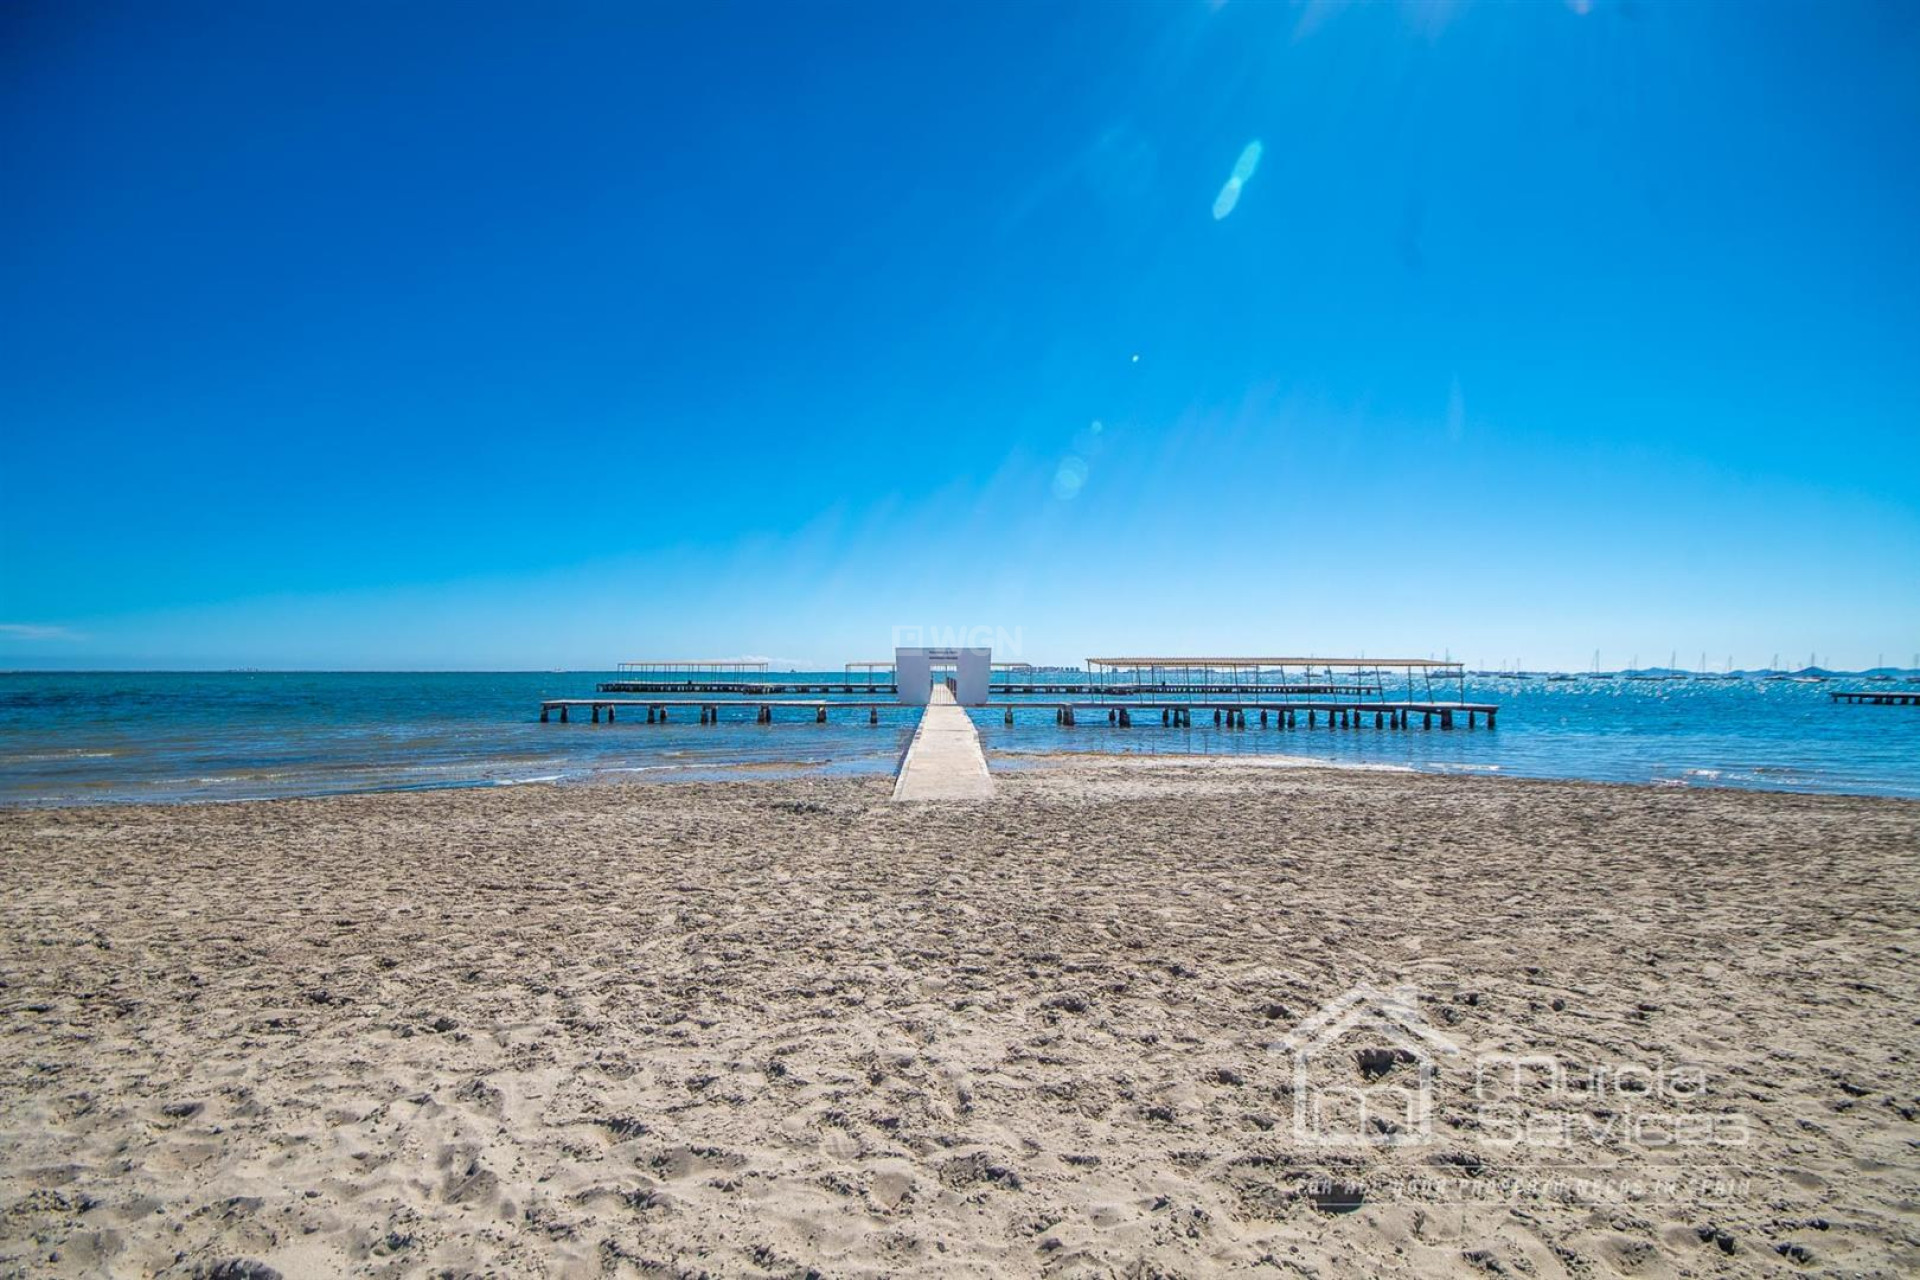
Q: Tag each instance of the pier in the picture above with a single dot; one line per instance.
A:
(1327, 714)
(663, 710)
(1876, 697)
(944, 761)
(1282, 694)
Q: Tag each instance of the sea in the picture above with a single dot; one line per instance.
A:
(119, 737)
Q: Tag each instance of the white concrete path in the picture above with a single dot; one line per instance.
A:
(945, 761)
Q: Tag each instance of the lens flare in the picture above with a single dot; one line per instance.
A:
(1243, 170)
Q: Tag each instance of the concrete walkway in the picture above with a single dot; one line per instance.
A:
(945, 761)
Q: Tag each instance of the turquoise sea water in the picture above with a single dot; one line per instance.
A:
(75, 738)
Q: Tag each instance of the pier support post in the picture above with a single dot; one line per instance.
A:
(1489, 719)
(663, 715)
(1469, 719)
(820, 715)
(1426, 720)
(1126, 719)
(1216, 717)
(1009, 717)
(1292, 721)
(873, 715)
(1309, 719)
(1111, 717)
(1446, 719)
(563, 713)
(1263, 717)
(1163, 717)
(596, 713)
(1376, 719)
(543, 715)
(650, 711)
(609, 715)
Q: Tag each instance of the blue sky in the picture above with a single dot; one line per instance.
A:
(541, 336)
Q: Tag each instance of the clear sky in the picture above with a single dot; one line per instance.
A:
(354, 335)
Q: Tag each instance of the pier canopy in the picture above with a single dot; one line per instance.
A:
(1369, 679)
(1198, 664)
(695, 666)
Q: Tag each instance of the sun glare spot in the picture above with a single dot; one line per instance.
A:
(1069, 478)
(1243, 170)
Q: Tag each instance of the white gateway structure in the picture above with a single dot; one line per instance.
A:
(972, 671)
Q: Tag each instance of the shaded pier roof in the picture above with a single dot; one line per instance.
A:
(1415, 663)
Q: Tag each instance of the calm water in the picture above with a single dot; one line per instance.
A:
(84, 738)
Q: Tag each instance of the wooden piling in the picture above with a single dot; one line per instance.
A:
(543, 715)
(820, 714)
(596, 713)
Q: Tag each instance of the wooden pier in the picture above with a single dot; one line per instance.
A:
(1331, 714)
(1281, 693)
(660, 710)
(1876, 697)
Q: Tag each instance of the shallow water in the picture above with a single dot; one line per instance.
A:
(69, 738)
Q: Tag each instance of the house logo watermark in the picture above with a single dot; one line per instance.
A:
(1364, 1068)
(1368, 1069)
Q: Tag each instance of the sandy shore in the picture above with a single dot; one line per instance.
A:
(784, 1027)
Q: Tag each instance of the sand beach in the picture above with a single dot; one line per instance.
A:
(787, 1027)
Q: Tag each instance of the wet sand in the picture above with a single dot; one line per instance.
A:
(777, 1027)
